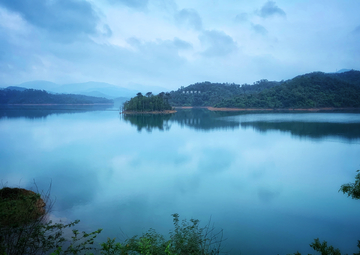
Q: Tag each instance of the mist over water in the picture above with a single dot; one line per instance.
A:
(269, 180)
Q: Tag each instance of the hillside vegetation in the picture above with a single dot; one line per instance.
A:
(313, 90)
(148, 103)
(209, 94)
(32, 96)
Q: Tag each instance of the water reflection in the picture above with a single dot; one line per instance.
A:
(43, 111)
(309, 125)
(203, 119)
(256, 186)
(195, 118)
(313, 130)
(149, 121)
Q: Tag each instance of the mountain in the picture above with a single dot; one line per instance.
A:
(95, 94)
(313, 90)
(209, 94)
(98, 89)
(343, 70)
(351, 76)
(310, 90)
(32, 96)
(144, 89)
(16, 88)
(42, 85)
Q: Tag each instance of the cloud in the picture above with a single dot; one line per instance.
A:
(107, 31)
(161, 52)
(218, 43)
(63, 20)
(183, 45)
(259, 29)
(242, 17)
(266, 195)
(17, 51)
(270, 9)
(357, 30)
(215, 160)
(189, 17)
(136, 4)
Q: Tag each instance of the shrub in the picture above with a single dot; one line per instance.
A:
(25, 228)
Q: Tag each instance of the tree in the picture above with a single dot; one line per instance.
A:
(26, 230)
(352, 189)
(147, 103)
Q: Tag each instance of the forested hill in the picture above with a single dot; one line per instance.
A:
(32, 96)
(209, 94)
(148, 103)
(311, 90)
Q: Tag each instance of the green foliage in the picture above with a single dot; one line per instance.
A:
(24, 227)
(111, 248)
(189, 238)
(45, 238)
(323, 248)
(19, 206)
(209, 94)
(312, 90)
(352, 189)
(33, 96)
(37, 235)
(148, 103)
(186, 238)
(149, 243)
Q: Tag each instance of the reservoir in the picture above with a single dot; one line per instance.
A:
(269, 180)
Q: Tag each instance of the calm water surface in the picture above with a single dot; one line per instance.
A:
(269, 180)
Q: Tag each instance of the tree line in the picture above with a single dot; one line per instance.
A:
(33, 96)
(209, 94)
(147, 103)
(313, 90)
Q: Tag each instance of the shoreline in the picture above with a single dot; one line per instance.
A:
(210, 108)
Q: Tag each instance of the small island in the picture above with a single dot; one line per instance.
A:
(154, 104)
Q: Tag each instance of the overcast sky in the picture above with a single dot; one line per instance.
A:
(173, 43)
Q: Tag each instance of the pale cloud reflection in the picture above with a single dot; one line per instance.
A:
(251, 182)
(267, 195)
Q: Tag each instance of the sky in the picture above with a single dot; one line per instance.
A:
(173, 43)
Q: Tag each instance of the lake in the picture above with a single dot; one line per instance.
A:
(269, 180)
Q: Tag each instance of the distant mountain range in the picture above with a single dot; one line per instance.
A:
(313, 90)
(11, 96)
(94, 89)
